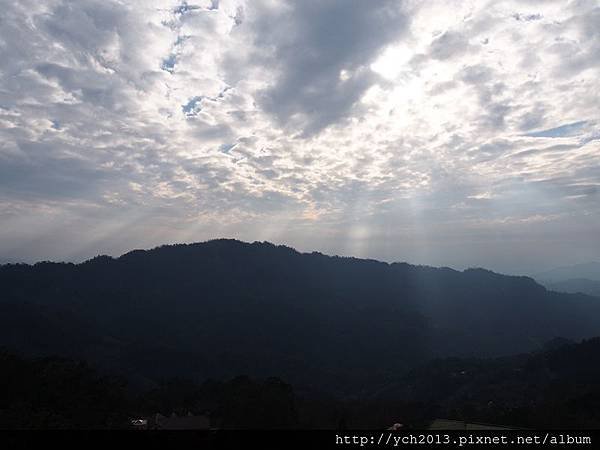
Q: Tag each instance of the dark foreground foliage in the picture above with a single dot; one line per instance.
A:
(555, 387)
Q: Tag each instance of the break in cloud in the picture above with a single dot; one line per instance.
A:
(459, 133)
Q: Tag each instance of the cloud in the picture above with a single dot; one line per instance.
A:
(449, 44)
(322, 51)
(397, 130)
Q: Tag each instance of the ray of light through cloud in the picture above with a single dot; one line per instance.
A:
(445, 133)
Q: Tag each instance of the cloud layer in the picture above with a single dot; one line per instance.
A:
(440, 132)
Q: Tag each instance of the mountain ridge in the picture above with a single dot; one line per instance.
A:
(225, 307)
(142, 251)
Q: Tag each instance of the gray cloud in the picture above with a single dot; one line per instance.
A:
(456, 133)
(322, 51)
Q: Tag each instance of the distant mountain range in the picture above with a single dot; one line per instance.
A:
(584, 278)
(589, 270)
(575, 285)
(224, 308)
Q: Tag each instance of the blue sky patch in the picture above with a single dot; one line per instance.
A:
(226, 148)
(169, 63)
(192, 107)
(566, 130)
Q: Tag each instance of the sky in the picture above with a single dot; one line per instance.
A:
(455, 133)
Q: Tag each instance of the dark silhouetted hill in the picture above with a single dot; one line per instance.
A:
(224, 308)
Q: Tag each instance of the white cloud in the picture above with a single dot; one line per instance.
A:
(317, 123)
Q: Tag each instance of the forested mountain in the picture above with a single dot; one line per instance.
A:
(224, 308)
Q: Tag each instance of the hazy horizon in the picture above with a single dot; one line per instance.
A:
(460, 134)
